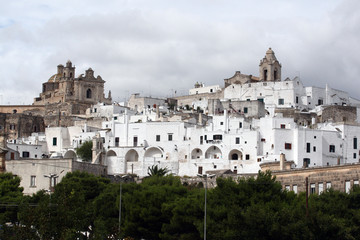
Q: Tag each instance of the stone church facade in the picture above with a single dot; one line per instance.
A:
(69, 94)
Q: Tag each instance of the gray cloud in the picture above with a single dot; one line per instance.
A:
(159, 48)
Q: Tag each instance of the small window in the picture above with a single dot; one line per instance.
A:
(247, 156)
(308, 146)
(245, 109)
(282, 125)
(328, 185)
(158, 138)
(117, 140)
(33, 181)
(288, 146)
(312, 188)
(356, 182)
(170, 137)
(314, 149)
(237, 140)
(263, 140)
(355, 143)
(320, 102)
(287, 187)
(354, 155)
(88, 93)
(321, 188)
(332, 148)
(297, 99)
(54, 141)
(281, 101)
(295, 189)
(217, 137)
(240, 124)
(221, 123)
(12, 126)
(347, 186)
(25, 154)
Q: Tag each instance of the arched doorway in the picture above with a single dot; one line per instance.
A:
(132, 156)
(213, 152)
(235, 155)
(196, 153)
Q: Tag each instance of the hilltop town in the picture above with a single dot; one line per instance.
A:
(245, 124)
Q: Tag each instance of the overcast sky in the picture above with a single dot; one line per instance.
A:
(158, 47)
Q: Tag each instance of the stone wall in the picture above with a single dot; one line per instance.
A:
(336, 175)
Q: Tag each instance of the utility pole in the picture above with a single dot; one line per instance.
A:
(307, 196)
(205, 176)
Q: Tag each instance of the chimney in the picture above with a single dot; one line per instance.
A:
(282, 162)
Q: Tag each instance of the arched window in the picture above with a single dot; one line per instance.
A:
(88, 93)
(71, 74)
(275, 74)
(64, 74)
(234, 156)
(265, 74)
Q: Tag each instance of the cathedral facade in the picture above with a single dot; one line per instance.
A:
(63, 88)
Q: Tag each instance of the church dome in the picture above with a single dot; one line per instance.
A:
(54, 78)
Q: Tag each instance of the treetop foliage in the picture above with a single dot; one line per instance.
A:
(85, 206)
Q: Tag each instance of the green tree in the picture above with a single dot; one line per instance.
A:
(85, 151)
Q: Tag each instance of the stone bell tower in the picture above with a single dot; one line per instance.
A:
(270, 68)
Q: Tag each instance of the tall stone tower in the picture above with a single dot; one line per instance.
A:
(270, 68)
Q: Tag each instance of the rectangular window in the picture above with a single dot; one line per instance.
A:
(237, 140)
(328, 185)
(221, 123)
(25, 154)
(247, 156)
(312, 188)
(281, 101)
(217, 137)
(33, 181)
(355, 143)
(282, 125)
(356, 182)
(308, 146)
(321, 188)
(306, 162)
(320, 102)
(295, 189)
(245, 109)
(354, 155)
(200, 170)
(297, 99)
(135, 139)
(158, 138)
(240, 124)
(314, 149)
(170, 137)
(288, 146)
(287, 187)
(117, 140)
(201, 139)
(54, 141)
(12, 126)
(332, 148)
(347, 186)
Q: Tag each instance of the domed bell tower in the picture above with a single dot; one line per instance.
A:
(269, 67)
